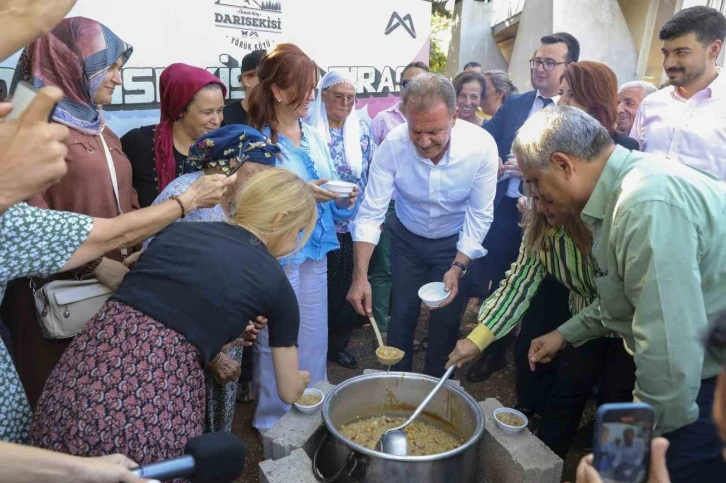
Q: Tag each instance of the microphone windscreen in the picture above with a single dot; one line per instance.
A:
(218, 457)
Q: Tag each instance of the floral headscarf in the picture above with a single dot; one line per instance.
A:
(75, 56)
(235, 142)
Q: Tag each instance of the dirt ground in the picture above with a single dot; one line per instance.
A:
(499, 386)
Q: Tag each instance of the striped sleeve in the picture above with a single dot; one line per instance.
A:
(503, 310)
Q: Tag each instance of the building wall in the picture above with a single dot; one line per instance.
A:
(536, 22)
(472, 39)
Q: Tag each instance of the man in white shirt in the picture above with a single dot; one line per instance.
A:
(444, 174)
(687, 121)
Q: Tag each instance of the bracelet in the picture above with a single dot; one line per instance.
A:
(215, 360)
(181, 205)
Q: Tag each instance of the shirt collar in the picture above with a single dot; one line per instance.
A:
(554, 98)
(606, 184)
(716, 89)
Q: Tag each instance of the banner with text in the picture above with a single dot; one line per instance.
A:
(372, 39)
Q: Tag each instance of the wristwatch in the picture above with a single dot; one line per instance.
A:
(463, 267)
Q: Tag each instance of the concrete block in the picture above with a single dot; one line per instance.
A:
(450, 381)
(295, 430)
(514, 458)
(296, 467)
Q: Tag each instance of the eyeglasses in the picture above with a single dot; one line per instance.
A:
(241, 159)
(405, 83)
(547, 64)
(343, 100)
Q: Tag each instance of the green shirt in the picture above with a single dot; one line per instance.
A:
(559, 257)
(659, 240)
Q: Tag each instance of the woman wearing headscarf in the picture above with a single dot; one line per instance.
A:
(278, 104)
(83, 58)
(351, 147)
(192, 101)
(218, 152)
(132, 381)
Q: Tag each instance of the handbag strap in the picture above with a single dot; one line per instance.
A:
(114, 179)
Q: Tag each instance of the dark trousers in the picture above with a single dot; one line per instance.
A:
(694, 454)
(416, 261)
(342, 317)
(548, 309)
(604, 361)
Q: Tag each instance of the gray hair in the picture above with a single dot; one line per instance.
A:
(560, 129)
(425, 88)
(501, 83)
(646, 87)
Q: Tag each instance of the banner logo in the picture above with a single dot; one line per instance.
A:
(396, 21)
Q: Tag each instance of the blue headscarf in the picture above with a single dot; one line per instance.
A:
(236, 142)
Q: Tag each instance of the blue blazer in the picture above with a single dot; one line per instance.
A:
(504, 126)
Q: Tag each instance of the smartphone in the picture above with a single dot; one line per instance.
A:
(621, 444)
(21, 99)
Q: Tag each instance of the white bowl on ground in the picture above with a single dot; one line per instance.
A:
(315, 407)
(341, 188)
(508, 428)
(433, 294)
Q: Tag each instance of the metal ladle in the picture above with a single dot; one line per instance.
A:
(394, 440)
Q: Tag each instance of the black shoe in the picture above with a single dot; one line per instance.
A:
(483, 369)
(343, 359)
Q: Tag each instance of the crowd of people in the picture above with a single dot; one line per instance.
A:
(585, 217)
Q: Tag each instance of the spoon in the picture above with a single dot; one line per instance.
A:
(385, 359)
(394, 440)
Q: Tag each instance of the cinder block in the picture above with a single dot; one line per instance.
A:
(295, 430)
(514, 458)
(450, 381)
(296, 468)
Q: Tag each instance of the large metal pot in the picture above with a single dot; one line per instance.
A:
(338, 459)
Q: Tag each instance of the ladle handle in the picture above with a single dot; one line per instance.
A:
(378, 332)
(428, 399)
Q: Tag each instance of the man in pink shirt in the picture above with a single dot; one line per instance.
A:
(687, 121)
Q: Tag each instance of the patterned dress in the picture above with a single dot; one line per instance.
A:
(342, 318)
(32, 242)
(220, 399)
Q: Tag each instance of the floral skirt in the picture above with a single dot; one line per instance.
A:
(127, 384)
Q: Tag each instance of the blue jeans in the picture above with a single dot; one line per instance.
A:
(694, 454)
(416, 261)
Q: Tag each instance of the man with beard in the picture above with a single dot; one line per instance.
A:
(444, 173)
(687, 121)
(630, 96)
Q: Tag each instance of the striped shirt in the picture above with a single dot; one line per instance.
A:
(561, 258)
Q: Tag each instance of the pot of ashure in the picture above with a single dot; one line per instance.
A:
(452, 421)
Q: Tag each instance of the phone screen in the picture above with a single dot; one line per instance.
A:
(622, 442)
(22, 97)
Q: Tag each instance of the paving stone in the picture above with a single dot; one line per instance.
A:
(295, 468)
(514, 458)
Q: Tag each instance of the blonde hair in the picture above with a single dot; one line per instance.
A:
(537, 229)
(270, 193)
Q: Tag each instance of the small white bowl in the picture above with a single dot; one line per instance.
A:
(506, 427)
(314, 408)
(433, 294)
(342, 188)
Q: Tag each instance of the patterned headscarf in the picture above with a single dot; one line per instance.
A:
(75, 56)
(235, 142)
(351, 127)
(178, 85)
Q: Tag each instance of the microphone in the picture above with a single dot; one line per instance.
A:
(210, 458)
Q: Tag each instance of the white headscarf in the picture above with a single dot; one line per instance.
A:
(351, 125)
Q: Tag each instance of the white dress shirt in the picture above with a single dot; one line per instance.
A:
(434, 201)
(692, 131)
(513, 190)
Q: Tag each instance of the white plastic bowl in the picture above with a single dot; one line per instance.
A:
(342, 188)
(314, 408)
(506, 427)
(433, 294)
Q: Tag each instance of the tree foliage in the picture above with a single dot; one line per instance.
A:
(440, 27)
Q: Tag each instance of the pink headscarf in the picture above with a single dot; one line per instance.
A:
(178, 85)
